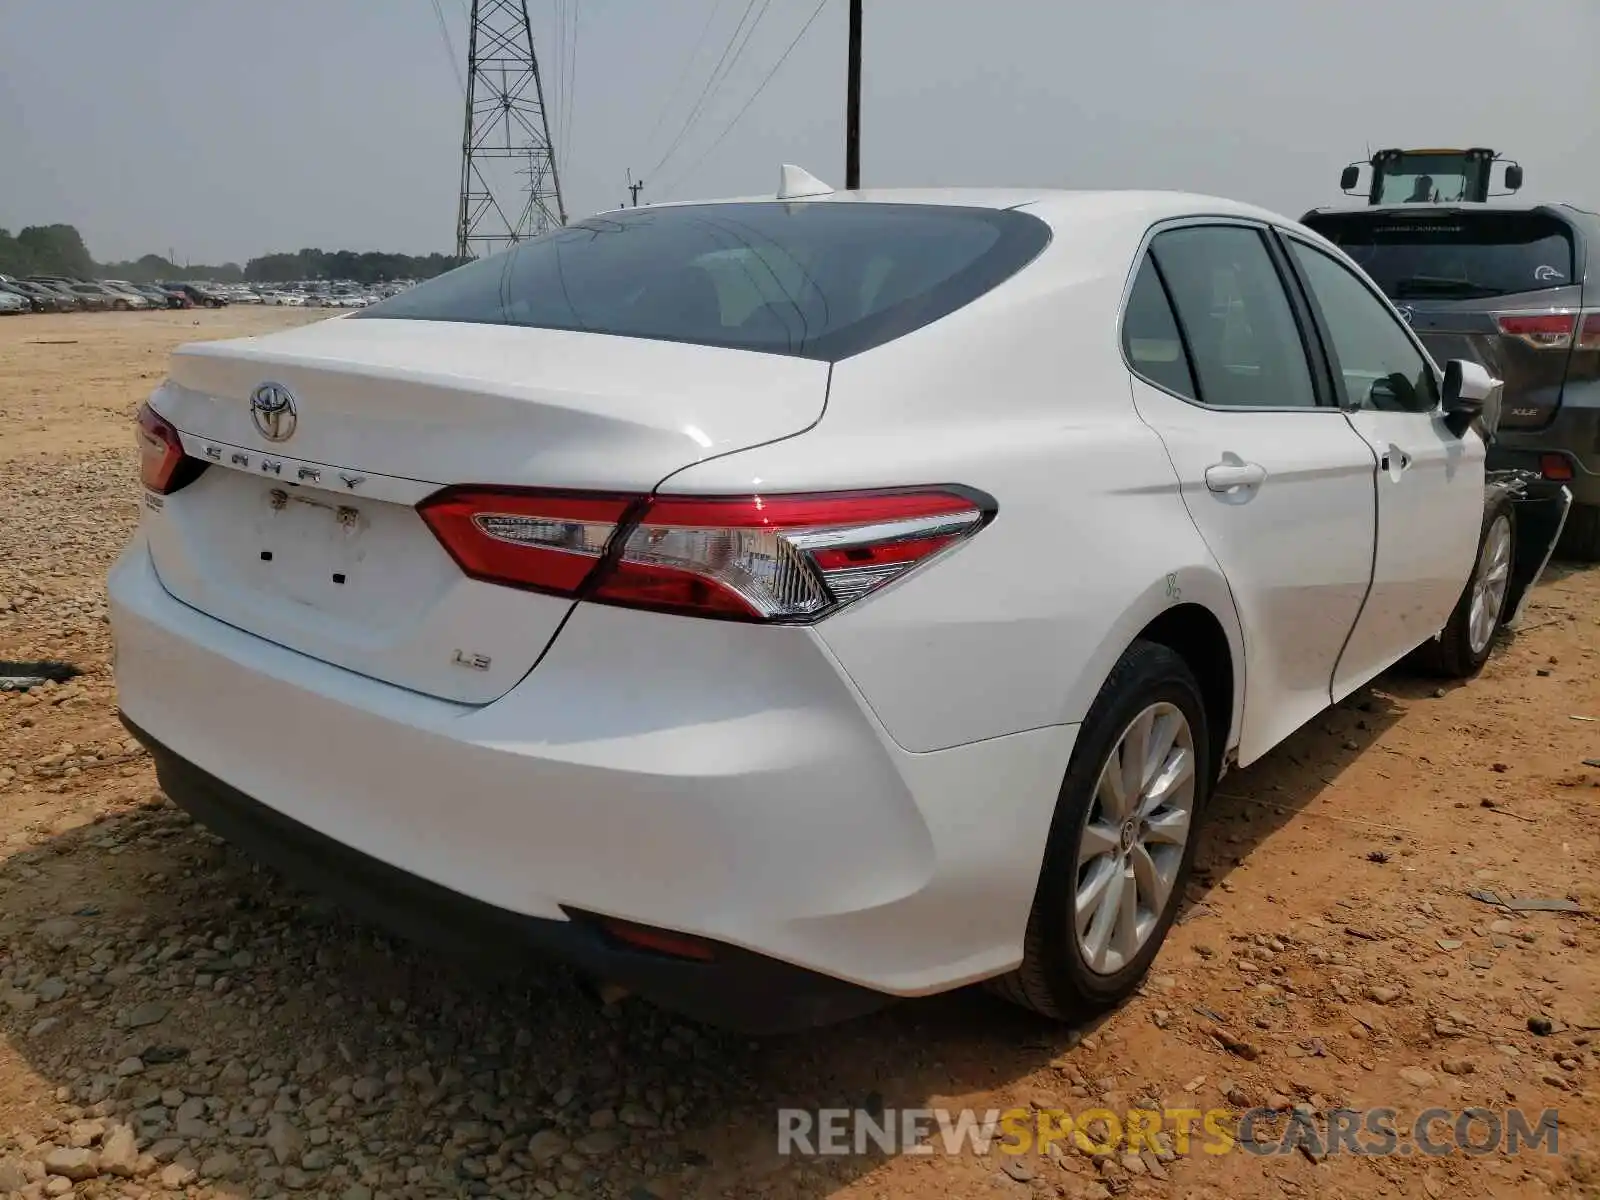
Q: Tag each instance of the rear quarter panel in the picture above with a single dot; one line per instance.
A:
(1024, 396)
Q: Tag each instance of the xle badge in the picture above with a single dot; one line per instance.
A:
(473, 662)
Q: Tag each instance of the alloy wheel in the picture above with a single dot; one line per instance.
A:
(1133, 838)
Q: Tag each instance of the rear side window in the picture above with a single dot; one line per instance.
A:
(1236, 319)
(1150, 336)
(1454, 256)
(814, 280)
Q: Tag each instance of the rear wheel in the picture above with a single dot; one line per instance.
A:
(1463, 647)
(1122, 842)
(120, 305)
(1580, 538)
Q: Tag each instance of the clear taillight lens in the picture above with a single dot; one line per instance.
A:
(1589, 332)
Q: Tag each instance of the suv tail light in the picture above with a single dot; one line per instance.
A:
(1589, 333)
(163, 466)
(787, 559)
(1553, 330)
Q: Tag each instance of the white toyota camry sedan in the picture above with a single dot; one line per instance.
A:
(778, 606)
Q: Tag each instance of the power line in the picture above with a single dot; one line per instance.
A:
(558, 89)
(683, 77)
(694, 113)
(572, 85)
(816, 12)
(449, 48)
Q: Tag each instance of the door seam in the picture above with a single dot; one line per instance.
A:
(1372, 566)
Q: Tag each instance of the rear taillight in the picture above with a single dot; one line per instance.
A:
(1543, 331)
(1553, 330)
(163, 466)
(1589, 333)
(542, 541)
(790, 559)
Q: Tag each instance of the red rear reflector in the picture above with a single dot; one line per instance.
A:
(791, 559)
(660, 941)
(1543, 331)
(163, 467)
(542, 541)
(1556, 467)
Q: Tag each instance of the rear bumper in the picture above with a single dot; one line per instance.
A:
(1574, 434)
(721, 781)
(737, 989)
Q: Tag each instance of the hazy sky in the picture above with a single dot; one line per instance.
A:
(227, 128)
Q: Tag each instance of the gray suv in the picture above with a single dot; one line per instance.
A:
(1515, 287)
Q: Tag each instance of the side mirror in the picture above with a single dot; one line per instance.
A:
(1349, 177)
(1470, 394)
(1513, 177)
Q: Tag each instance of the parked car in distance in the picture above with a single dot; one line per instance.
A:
(30, 301)
(13, 303)
(779, 578)
(200, 295)
(47, 299)
(162, 298)
(62, 287)
(1515, 287)
(90, 296)
(125, 295)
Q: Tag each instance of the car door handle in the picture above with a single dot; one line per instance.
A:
(1394, 460)
(1231, 476)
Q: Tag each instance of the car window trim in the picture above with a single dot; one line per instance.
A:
(1324, 400)
(1341, 260)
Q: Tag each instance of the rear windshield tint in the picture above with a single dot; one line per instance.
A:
(1454, 255)
(814, 280)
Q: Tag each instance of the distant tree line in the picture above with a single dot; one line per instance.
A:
(60, 250)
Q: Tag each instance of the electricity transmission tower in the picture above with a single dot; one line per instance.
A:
(509, 187)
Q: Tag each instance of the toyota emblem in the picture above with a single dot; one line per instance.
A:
(273, 411)
(1408, 314)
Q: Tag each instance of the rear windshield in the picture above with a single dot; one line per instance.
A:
(1454, 255)
(814, 280)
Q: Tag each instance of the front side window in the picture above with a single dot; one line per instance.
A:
(1241, 332)
(820, 280)
(1376, 364)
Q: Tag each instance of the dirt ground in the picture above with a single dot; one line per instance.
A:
(174, 1021)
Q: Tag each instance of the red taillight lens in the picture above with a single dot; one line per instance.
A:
(163, 467)
(1543, 331)
(542, 541)
(785, 558)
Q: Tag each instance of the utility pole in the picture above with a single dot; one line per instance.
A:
(506, 120)
(852, 104)
(634, 186)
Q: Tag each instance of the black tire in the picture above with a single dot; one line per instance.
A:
(1580, 537)
(1452, 655)
(1054, 978)
(120, 305)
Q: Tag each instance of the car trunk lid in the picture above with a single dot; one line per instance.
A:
(313, 540)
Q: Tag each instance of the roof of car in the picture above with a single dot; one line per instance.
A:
(1058, 203)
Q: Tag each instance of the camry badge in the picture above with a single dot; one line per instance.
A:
(273, 411)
